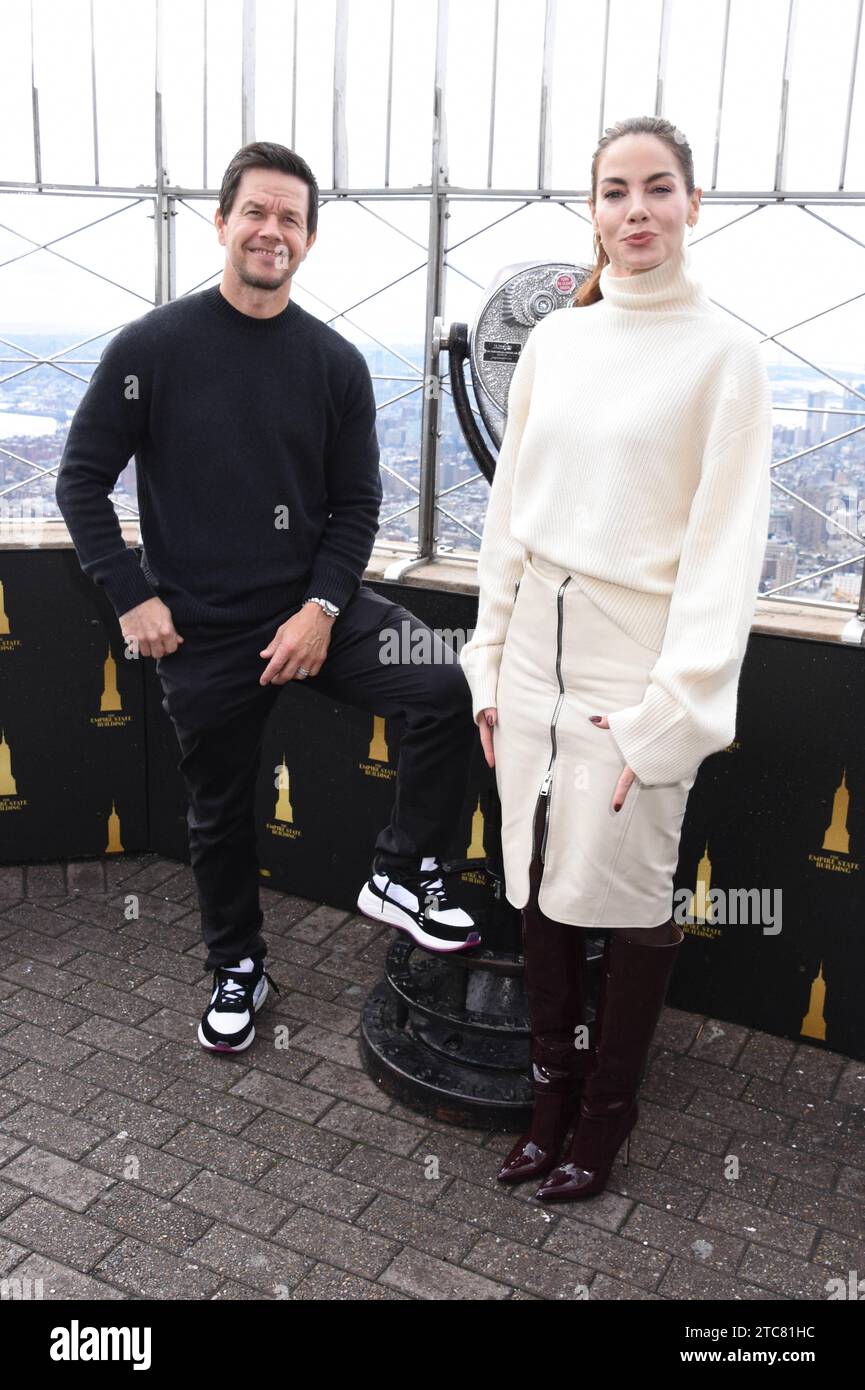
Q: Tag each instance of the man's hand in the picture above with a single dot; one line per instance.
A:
(301, 640)
(150, 628)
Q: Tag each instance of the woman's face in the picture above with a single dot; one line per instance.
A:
(641, 189)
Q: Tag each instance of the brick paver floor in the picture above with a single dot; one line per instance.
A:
(133, 1164)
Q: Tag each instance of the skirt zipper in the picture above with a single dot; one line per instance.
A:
(546, 785)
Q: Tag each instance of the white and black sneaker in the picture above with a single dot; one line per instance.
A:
(227, 1024)
(417, 903)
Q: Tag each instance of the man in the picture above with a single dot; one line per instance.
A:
(253, 427)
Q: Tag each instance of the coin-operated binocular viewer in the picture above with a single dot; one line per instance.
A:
(450, 1034)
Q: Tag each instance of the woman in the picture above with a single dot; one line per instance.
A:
(621, 552)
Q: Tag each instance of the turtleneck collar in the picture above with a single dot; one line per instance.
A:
(671, 287)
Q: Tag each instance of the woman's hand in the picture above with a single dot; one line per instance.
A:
(600, 721)
(485, 721)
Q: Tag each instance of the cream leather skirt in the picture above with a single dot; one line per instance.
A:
(563, 660)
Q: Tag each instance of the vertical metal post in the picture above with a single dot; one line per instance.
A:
(34, 105)
(163, 205)
(340, 67)
(784, 117)
(247, 75)
(93, 97)
(545, 133)
(426, 527)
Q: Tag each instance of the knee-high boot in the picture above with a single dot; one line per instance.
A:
(634, 982)
(555, 978)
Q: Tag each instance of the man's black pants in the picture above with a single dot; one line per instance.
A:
(219, 711)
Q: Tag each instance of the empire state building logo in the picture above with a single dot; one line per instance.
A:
(836, 837)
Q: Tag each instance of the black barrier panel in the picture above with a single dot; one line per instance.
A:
(73, 754)
(88, 768)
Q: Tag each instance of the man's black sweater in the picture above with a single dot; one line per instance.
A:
(257, 462)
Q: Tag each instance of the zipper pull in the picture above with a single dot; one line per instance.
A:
(545, 785)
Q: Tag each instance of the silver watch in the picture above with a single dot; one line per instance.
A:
(330, 608)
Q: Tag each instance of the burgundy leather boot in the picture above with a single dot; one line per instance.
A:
(555, 978)
(634, 980)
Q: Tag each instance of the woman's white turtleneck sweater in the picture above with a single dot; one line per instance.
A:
(636, 455)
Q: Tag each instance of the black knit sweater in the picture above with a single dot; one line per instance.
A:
(257, 462)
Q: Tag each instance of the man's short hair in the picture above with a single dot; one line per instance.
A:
(265, 154)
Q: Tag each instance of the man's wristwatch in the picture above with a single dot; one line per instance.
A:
(330, 608)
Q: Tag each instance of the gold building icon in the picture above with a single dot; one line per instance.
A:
(476, 843)
(837, 837)
(378, 750)
(283, 809)
(110, 699)
(4, 621)
(114, 845)
(700, 909)
(7, 781)
(814, 1022)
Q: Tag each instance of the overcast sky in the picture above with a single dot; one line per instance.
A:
(774, 267)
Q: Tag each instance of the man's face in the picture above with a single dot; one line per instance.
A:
(264, 234)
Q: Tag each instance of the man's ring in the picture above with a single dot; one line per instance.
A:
(302, 671)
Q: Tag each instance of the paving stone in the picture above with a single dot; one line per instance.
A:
(71, 1184)
(349, 1084)
(36, 974)
(50, 1230)
(426, 1228)
(789, 1277)
(538, 1271)
(694, 1240)
(131, 1160)
(348, 1247)
(165, 1225)
(326, 1282)
(140, 1269)
(262, 1263)
(594, 1249)
(235, 1203)
(121, 1005)
(309, 1186)
(359, 1123)
(271, 1093)
(421, 1276)
(63, 1134)
(105, 1033)
(402, 1177)
(191, 1100)
(753, 1223)
(62, 1090)
(209, 1148)
(818, 1208)
(122, 974)
(320, 1042)
(60, 1282)
(719, 1041)
(120, 1113)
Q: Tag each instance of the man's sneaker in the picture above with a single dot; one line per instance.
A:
(417, 903)
(227, 1023)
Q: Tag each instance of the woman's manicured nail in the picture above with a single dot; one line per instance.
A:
(595, 718)
(618, 807)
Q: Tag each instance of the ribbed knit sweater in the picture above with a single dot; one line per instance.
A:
(636, 455)
(257, 462)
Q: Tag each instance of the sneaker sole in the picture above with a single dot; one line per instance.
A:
(379, 911)
(230, 1047)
